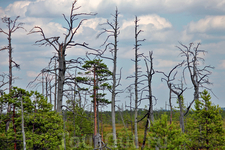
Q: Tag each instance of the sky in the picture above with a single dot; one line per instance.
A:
(164, 23)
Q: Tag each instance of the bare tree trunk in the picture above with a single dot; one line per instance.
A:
(74, 132)
(121, 115)
(199, 76)
(12, 27)
(61, 47)
(46, 86)
(95, 112)
(10, 61)
(135, 125)
(171, 108)
(10, 74)
(14, 126)
(150, 116)
(42, 83)
(61, 78)
(181, 114)
(136, 86)
(146, 127)
(50, 92)
(23, 131)
(113, 33)
(131, 118)
(55, 95)
(113, 104)
(114, 78)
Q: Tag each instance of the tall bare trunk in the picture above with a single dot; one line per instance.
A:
(95, 112)
(14, 126)
(50, 92)
(136, 86)
(150, 116)
(136, 108)
(131, 118)
(10, 61)
(171, 108)
(114, 79)
(181, 114)
(46, 86)
(23, 131)
(10, 74)
(61, 78)
(55, 95)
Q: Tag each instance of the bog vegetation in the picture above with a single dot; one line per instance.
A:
(60, 118)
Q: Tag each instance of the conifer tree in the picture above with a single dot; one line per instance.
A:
(43, 127)
(205, 129)
(164, 135)
(101, 73)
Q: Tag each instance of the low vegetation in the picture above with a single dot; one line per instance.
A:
(46, 129)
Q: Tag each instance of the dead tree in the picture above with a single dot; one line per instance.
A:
(22, 124)
(129, 89)
(3, 81)
(199, 76)
(136, 77)
(150, 72)
(177, 89)
(112, 32)
(137, 56)
(44, 79)
(12, 27)
(61, 47)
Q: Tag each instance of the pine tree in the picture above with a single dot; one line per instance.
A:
(205, 129)
(101, 74)
(43, 127)
(166, 136)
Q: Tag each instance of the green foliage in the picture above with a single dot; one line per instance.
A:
(100, 68)
(83, 125)
(125, 139)
(102, 74)
(78, 127)
(204, 129)
(43, 127)
(164, 135)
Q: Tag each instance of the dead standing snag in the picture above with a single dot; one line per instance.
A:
(199, 76)
(61, 47)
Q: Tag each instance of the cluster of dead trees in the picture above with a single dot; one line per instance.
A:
(58, 80)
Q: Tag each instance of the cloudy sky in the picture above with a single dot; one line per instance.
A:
(165, 23)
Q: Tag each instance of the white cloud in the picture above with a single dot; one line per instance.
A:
(49, 8)
(209, 23)
(2, 13)
(155, 28)
(165, 63)
(157, 22)
(90, 5)
(136, 7)
(32, 74)
(18, 8)
(93, 23)
(214, 48)
(222, 64)
(38, 62)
